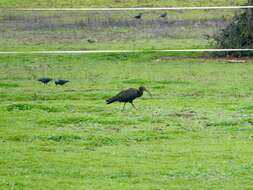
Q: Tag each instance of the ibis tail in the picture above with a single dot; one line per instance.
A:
(112, 99)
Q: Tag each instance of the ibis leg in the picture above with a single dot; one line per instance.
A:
(133, 105)
(124, 106)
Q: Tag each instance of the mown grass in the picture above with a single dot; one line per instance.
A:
(115, 3)
(118, 30)
(195, 133)
(27, 31)
(144, 44)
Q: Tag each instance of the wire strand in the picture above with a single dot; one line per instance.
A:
(123, 51)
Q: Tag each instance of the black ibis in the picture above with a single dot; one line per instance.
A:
(138, 16)
(128, 96)
(61, 82)
(91, 41)
(163, 15)
(45, 80)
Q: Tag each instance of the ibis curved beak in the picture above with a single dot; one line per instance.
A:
(149, 93)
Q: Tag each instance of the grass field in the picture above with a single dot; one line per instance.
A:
(115, 3)
(195, 133)
(72, 30)
(26, 31)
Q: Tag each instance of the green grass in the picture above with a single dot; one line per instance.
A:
(28, 31)
(195, 133)
(56, 30)
(115, 3)
(21, 45)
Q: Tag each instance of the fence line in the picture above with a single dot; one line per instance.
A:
(126, 9)
(123, 51)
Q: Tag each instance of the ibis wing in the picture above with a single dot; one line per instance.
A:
(127, 95)
(120, 94)
(124, 96)
(115, 98)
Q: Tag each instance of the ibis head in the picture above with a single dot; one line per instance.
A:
(142, 89)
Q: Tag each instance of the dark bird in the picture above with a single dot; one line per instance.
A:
(138, 16)
(45, 80)
(163, 15)
(61, 82)
(91, 41)
(128, 96)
